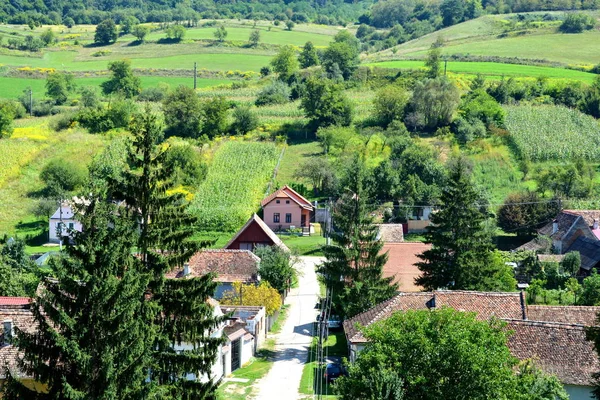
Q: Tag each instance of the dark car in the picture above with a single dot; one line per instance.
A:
(333, 371)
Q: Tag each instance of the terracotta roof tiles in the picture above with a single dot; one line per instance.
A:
(228, 265)
(580, 315)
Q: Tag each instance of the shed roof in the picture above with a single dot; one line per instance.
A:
(391, 233)
(589, 250)
(228, 265)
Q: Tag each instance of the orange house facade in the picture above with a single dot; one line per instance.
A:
(285, 209)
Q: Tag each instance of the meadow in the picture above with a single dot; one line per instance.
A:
(555, 133)
(495, 70)
(235, 184)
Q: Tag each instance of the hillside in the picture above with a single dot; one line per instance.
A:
(497, 36)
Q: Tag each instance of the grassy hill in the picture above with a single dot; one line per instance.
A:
(496, 36)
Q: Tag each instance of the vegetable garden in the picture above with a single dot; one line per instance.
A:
(547, 132)
(235, 184)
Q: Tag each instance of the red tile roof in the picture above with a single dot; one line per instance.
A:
(287, 191)
(256, 219)
(560, 349)
(21, 318)
(580, 315)
(401, 263)
(229, 265)
(509, 305)
(14, 301)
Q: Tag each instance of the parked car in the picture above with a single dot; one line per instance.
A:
(333, 371)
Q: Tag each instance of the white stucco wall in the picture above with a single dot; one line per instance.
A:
(54, 223)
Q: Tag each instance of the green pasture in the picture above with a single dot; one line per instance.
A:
(493, 69)
(14, 87)
(66, 60)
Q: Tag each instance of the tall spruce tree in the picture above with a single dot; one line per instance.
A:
(354, 264)
(461, 256)
(92, 340)
(165, 243)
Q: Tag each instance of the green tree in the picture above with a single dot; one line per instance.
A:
(165, 242)
(183, 113)
(389, 104)
(254, 38)
(91, 339)
(571, 263)
(48, 37)
(524, 212)
(128, 23)
(433, 103)
(69, 22)
(577, 23)
(289, 24)
(342, 54)
(277, 92)
(285, 62)
(215, 116)
(19, 276)
(122, 81)
(308, 56)
(433, 61)
(325, 103)
(276, 267)
(175, 32)
(460, 257)
(61, 177)
(590, 290)
(59, 85)
(6, 120)
(244, 120)
(442, 355)
(220, 33)
(106, 32)
(353, 268)
(140, 32)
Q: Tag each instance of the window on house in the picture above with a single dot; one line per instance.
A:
(288, 218)
(287, 202)
(70, 225)
(277, 201)
(276, 217)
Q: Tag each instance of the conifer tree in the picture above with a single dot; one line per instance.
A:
(92, 340)
(165, 243)
(354, 264)
(461, 256)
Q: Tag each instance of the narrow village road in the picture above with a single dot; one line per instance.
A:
(292, 343)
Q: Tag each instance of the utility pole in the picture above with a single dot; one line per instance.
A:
(445, 66)
(30, 102)
(195, 74)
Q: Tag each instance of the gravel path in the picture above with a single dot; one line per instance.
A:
(291, 349)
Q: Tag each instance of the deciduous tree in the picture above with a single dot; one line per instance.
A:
(183, 113)
(308, 56)
(106, 32)
(122, 81)
(253, 295)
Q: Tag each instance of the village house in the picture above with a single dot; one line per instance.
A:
(554, 336)
(253, 234)
(255, 320)
(229, 266)
(63, 222)
(286, 209)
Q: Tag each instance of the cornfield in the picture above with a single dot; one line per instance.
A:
(235, 184)
(553, 133)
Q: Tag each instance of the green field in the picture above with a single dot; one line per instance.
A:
(235, 184)
(497, 70)
(14, 87)
(484, 36)
(553, 133)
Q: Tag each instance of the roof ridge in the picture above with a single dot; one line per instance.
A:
(552, 324)
(477, 292)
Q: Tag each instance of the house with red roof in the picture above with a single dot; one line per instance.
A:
(255, 233)
(285, 209)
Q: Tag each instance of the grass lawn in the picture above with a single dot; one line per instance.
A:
(335, 345)
(14, 87)
(295, 155)
(493, 69)
(304, 245)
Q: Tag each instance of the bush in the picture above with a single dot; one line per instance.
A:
(98, 120)
(275, 93)
(153, 94)
(577, 23)
(62, 176)
(468, 130)
(175, 32)
(64, 121)
(244, 120)
(479, 105)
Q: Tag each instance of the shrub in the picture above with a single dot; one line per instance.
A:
(64, 121)
(175, 32)
(61, 176)
(479, 105)
(98, 120)
(275, 93)
(153, 94)
(577, 23)
(468, 130)
(244, 120)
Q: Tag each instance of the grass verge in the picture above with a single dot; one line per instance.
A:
(304, 245)
(312, 374)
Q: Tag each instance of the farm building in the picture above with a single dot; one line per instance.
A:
(255, 233)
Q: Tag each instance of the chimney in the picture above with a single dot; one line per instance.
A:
(554, 226)
(8, 331)
(186, 269)
(595, 226)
